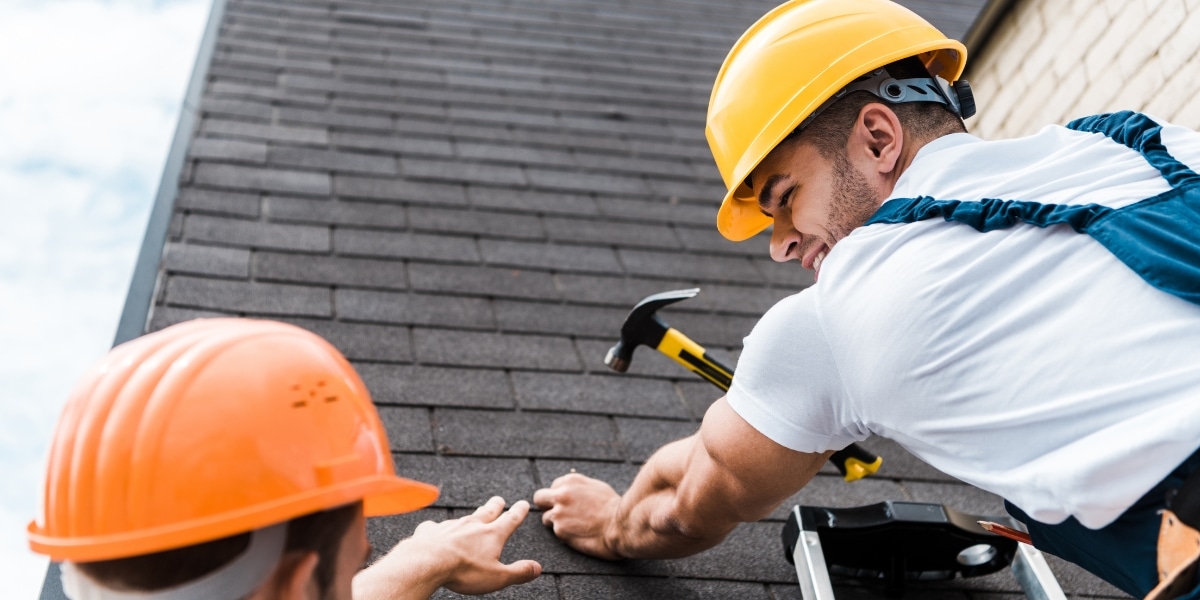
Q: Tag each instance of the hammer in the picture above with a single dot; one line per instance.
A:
(644, 327)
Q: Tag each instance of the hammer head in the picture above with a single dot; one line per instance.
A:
(642, 326)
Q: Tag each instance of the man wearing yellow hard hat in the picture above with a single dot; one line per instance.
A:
(222, 459)
(1022, 314)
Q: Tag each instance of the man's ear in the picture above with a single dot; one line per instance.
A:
(877, 138)
(295, 577)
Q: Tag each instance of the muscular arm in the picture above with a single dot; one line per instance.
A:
(686, 498)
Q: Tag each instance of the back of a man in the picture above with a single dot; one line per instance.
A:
(1023, 328)
(1021, 314)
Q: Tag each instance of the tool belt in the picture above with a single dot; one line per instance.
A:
(1179, 542)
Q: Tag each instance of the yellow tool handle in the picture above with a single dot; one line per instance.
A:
(854, 462)
(691, 355)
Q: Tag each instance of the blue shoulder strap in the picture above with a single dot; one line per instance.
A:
(1140, 133)
(1159, 237)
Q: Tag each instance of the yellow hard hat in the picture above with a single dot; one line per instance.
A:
(207, 429)
(787, 65)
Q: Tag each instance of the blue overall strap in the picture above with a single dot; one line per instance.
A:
(1140, 133)
(1159, 237)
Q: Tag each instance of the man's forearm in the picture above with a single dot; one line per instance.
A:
(653, 520)
(685, 499)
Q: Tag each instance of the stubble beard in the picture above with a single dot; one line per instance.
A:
(854, 200)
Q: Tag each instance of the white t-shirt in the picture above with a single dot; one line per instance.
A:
(1026, 361)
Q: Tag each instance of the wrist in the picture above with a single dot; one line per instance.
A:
(613, 537)
(404, 573)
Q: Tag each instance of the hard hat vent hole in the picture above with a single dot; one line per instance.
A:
(331, 398)
(299, 404)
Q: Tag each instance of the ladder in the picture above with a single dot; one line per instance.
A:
(895, 543)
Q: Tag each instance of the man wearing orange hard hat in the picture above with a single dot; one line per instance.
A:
(1020, 314)
(233, 458)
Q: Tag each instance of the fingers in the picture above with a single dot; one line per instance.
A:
(544, 498)
(509, 521)
(490, 509)
(548, 497)
(569, 477)
(522, 571)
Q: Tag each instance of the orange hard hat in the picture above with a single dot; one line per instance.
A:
(208, 429)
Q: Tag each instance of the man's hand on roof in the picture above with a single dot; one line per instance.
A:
(461, 555)
(581, 510)
(687, 497)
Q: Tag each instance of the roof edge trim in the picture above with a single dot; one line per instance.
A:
(140, 296)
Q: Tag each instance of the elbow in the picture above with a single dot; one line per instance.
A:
(688, 530)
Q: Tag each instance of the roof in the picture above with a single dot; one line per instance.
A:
(466, 197)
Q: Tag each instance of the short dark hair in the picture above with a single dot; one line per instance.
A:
(319, 532)
(830, 131)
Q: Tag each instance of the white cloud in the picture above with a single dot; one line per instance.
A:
(89, 103)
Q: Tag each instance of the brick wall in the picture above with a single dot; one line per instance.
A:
(1051, 61)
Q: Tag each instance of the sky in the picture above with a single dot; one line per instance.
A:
(90, 92)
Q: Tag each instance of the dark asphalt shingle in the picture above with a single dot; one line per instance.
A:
(491, 433)
(414, 309)
(612, 395)
(462, 348)
(329, 270)
(240, 232)
(390, 244)
(262, 299)
(256, 178)
(468, 481)
(361, 341)
(219, 202)
(207, 260)
(341, 212)
(408, 429)
(499, 282)
(398, 190)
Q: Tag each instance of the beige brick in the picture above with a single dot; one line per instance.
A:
(1139, 49)
(1189, 115)
(995, 112)
(1069, 50)
(1037, 59)
(1116, 6)
(1136, 92)
(1054, 13)
(1152, 5)
(1035, 97)
(1179, 87)
(1024, 12)
(1057, 108)
(1097, 95)
(1026, 35)
(1124, 26)
(1181, 45)
(1081, 8)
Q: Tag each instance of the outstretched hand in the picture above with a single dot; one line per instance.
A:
(462, 555)
(580, 510)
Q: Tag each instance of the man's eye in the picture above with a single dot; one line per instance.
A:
(785, 198)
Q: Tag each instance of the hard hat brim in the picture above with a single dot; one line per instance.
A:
(399, 495)
(381, 495)
(739, 217)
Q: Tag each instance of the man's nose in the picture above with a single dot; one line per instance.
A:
(785, 241)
